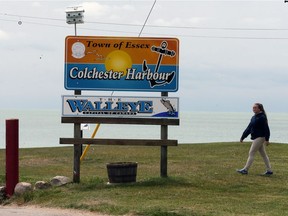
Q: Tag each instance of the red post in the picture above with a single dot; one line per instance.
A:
(12, 155)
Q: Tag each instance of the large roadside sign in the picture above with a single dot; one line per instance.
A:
(121, 63)
(103, 106)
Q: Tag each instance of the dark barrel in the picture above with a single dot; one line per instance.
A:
(122, 172)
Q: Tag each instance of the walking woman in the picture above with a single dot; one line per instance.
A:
(260, 134)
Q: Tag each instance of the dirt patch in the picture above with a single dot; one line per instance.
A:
(33, 210)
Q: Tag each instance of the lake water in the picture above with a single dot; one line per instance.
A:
(43, 128)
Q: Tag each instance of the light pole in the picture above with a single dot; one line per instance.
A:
(75, 15)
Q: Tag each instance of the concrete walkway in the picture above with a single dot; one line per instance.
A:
(35, 211)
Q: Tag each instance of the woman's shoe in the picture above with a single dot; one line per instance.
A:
(268, 173)
(243, 171)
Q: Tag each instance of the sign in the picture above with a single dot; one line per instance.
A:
(97, 106)
(121, 63)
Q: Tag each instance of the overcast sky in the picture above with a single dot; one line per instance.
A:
(232, 53)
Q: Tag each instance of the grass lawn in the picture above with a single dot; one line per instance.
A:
(202, 180)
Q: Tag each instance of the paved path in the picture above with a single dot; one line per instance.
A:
(35, 211)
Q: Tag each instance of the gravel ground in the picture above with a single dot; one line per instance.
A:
(36, 211)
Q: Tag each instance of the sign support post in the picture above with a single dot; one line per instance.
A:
(77, 148)
(164, 149)
(77, 134)
(74, 15)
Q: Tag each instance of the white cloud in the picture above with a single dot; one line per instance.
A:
(94, 9)
(197, 20)
(36, 4)
(4, 35)
(111, 11)
(175, 21)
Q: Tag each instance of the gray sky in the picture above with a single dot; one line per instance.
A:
(232, 53)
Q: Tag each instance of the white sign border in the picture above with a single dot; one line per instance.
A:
(163, 107)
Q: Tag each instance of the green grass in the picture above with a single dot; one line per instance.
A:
(202, 181)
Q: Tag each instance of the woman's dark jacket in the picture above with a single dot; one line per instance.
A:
(258, 127)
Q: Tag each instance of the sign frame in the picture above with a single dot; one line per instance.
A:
(120, 106)
(121, 64)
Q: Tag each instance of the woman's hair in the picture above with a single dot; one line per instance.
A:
(261, 107)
